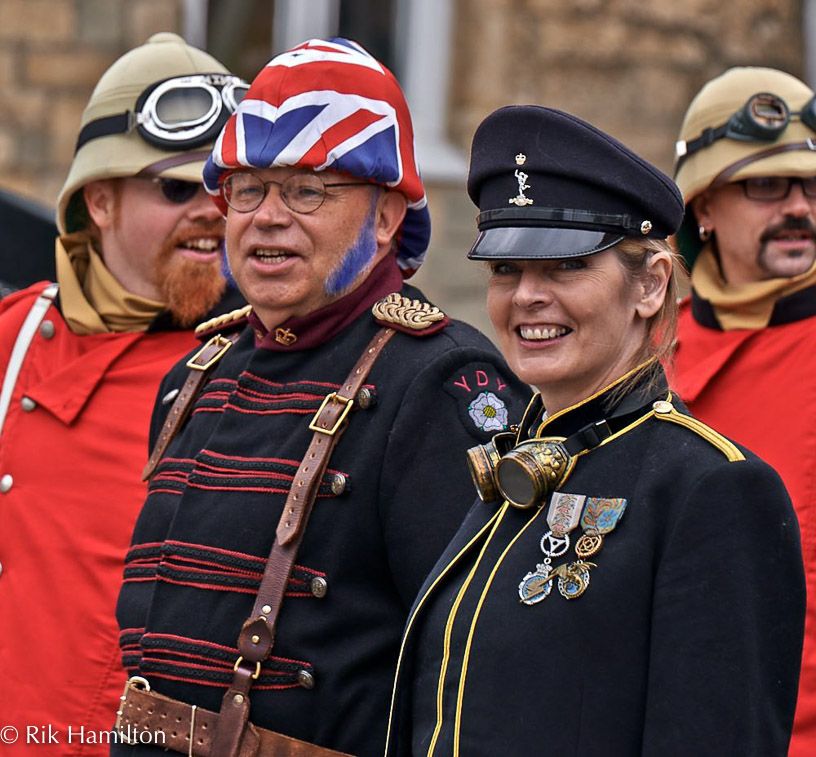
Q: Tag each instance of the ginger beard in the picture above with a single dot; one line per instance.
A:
(190, 288)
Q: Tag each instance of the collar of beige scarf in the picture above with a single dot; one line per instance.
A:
(93, 301)
(742, 306)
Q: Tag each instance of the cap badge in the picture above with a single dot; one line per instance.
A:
(521, 159)
(520, 198)
(645, 227)
(285, 337)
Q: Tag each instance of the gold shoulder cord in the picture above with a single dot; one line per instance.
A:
(665, 411)
(222, 320)
(403, 311)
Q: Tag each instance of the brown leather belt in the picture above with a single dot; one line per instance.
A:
(144, 715)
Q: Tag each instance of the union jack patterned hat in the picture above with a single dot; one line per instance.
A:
(329, 105)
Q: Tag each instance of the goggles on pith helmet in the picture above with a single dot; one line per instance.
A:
(182, 94)
(748, 122)
(181, 112)
(763, 118)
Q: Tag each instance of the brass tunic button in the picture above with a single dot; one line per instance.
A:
(27, 404)
(47, 329)
(662, 407)
(6, 482)
(339, 484)
(306, 679)
(319, 587)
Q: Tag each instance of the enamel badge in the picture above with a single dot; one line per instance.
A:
(601, 515)
(563, 516)
(597, 517)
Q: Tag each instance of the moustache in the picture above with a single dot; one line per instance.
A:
(789, 224)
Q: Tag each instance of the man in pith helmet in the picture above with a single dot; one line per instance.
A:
(746, 164)
(292, 519)
(138, 263)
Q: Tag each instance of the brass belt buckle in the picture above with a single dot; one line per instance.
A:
(131, 682)
(217, 341)
(332, 397)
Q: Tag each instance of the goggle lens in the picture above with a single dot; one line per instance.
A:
(180, 107)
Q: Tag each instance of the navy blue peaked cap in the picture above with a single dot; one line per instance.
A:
(549, 185)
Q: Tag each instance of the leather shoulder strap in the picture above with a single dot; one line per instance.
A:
(257, 635)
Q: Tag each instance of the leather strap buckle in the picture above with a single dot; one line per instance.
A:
(220, 344)
(131, 682)
(257, 672)
(333, 397)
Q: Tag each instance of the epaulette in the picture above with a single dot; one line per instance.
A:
(226, 322)
(409, 316)
(665, 411)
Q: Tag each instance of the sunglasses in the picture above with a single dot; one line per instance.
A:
(177, 191)
(763, 118)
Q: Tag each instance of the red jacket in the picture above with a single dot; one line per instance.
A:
(758, 387)
(65, 524)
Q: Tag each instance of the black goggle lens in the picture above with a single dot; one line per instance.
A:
(764, 116)
(177, 190)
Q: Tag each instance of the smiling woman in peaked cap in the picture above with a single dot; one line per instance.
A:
(629, 581)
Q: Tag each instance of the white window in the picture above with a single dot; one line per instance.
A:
(412, 37)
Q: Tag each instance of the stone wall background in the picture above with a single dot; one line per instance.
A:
(52, 52)
(628, 66)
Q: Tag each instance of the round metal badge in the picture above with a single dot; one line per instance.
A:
(535, 587)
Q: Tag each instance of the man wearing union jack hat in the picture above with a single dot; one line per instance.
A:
(300, 486)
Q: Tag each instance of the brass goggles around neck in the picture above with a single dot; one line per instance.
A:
(763, 118)
(525, 474)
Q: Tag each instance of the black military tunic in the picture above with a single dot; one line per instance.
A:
(391, 499)
(685, 641)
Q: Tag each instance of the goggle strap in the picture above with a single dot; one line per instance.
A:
(707, 138)
(121, 123)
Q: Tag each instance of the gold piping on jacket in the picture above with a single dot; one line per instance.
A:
(443, 668)
(591, 397)
(416, 611)
(698, 427)
(461, 693)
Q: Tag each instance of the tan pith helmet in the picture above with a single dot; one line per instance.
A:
(164, 55)
(727, 159)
